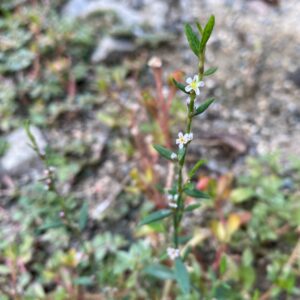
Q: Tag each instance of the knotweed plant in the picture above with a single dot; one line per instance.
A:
(65, 215)
(73, 224)
(183, 187)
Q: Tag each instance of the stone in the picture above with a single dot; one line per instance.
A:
(85, 8)
(152, 14)
(155, 14)
(133, 28)
(74, 8)
(19, 156)
(110, 49)
(295, 77)
(107, 189)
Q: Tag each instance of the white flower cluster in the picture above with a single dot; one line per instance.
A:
(49, 176)
(173, 200)
(173, 253)
(184, 139)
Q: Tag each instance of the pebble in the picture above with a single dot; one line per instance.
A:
(20, 157)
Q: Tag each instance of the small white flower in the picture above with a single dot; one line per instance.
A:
(182, 140)
(194, 85)
(173, 200)
(79, 256)
(173, 253)
(52, 169)
(172, 204)
(190, 136)
(172, 197)
(155, 62)
(173, 155)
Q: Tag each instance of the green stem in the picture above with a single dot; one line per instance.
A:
(201, 65)
(175, 230)
(177, 217)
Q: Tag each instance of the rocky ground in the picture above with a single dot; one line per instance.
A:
(93, 119)
(255, 47)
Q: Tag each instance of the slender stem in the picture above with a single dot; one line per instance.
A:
(175, 225)
(180, 203)
(201, 65)
(178, 214)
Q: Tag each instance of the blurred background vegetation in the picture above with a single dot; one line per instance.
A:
(78, 70)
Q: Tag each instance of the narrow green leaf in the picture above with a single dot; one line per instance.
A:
(189, 186)
(192, 207)
(4, 145)
(31, 137)
(83, 216)
(159, 271)
(196, 194)
(256, 295)
(210, 71)
(182, 276)
(223, 265)
(83, 280)
(196, 167)
(247, 257)
(222, 291)
(187, 252)
(155, 216)
(200, 29)
(52, 225)
(203, 107)
(164, 152)
(180, 86)
(242, 194)
(192, 39)
(182, 240)
(207, 32)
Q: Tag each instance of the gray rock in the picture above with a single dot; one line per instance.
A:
(295, 77)
(110, 49)
(84, 8)
(131, 25)
(153, 14)
(19, 156)
(74, 8)
(107, 190)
